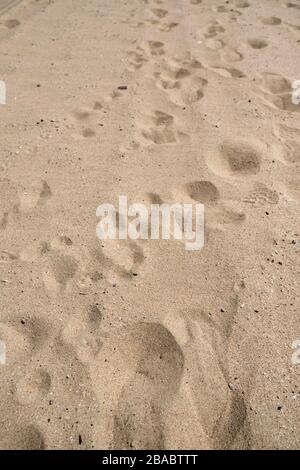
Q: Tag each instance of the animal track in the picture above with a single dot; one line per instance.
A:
(217, 211)
(126, 257)
(61, 264)
(32, 386)
(228, 72)
(180, 83)
(34, 197)
(212, 30)
(9, 202)
(12, 23)
(159, 12)
(86, 119)
(136, 59)
(155, 48)
(214, 44)
(203, 336)
(231, 55)
(277, 92)
(84, 335)
(293, 5)
(290, 140)
(292, 190)
(262, 196)
(275, 84)
(271, 21)
(160, 128)
(235, 159)
(242, 4)
(257, 43)
(23, 438)
(167, 27)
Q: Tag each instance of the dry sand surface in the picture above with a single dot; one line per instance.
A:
(142, 344)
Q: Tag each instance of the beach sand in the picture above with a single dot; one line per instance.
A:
(141, 344)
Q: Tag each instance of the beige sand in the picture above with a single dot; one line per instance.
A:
(141, 344)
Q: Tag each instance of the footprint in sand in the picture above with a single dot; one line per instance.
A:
(212, 30)
(214, 44)
(22, 438)
(202, 191)
(4, 220)
(239, 159)
(32, 386)
(180, 82)
(9, 202)
(242, 4)
(231, 55)
(146, 364)
(183, 92)
(154, 48)
(120, 259)
(293, 27)
(158, 19)
(167, 27)
(257, 43)
(83, 334)
(61, 263)
(207, 339)
(261, 195)
(227, 72)
(18, 200)
(271, 21)
(233, 425)
(87, 120)
(7, 257)
(12, 23)
(290, 142)
(23, 336)
(293, 5)
(218, 212)
(233, 14)
(159, 128)
(136, 59)
(276, 91)
(34, 197)
(220, 9)
(159, 12)
(291, 190)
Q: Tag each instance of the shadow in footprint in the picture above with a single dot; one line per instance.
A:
(233, 429)
(146, 364)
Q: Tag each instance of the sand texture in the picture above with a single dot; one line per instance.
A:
(136, 344)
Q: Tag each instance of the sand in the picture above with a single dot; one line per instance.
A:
(141, 344)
